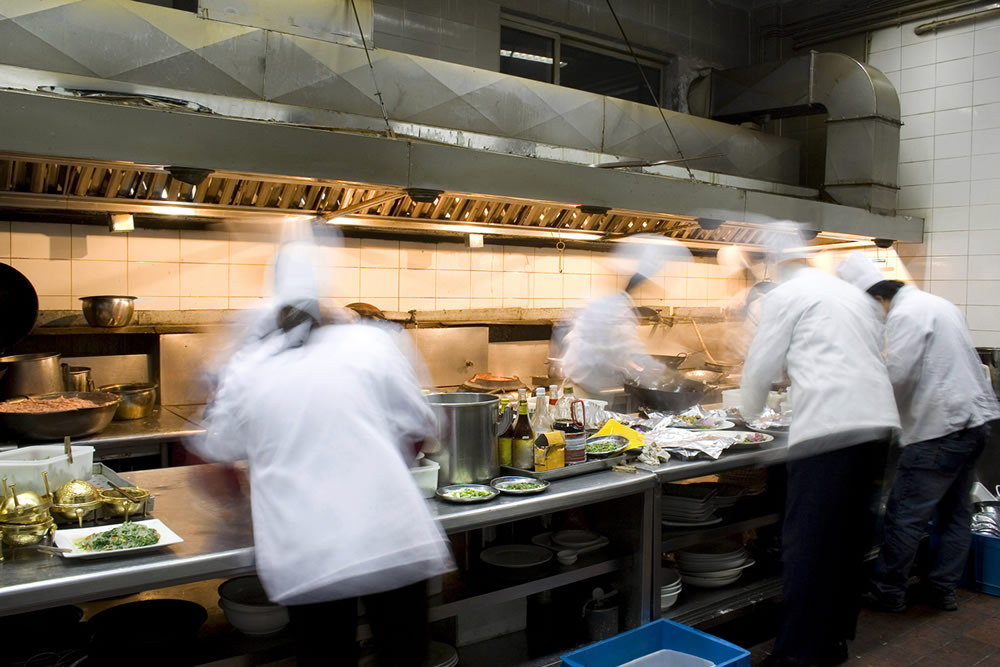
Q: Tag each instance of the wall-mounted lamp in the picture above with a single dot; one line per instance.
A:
(708, 224)
(423, 195)
(883, 243)
(475, 240)
(121, 222)
(594, 210)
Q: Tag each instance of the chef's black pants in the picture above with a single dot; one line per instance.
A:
(324, 633)
(826, 533)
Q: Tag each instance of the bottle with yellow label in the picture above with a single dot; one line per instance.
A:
(505, 439)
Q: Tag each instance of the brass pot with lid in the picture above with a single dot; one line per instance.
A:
(76, 499)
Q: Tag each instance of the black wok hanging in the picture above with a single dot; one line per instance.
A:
(19, 305)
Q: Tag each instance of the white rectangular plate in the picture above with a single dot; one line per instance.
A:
(64, 539)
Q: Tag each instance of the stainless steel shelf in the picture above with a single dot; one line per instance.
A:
(586, 569)
(672, 540)
(703, 608)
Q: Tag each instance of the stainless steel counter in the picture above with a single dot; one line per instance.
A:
(161, 425)
(218, 535)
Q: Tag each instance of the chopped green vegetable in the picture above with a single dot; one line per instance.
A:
(522, 486)
(469, 493)
(126, 536)
(601, 447)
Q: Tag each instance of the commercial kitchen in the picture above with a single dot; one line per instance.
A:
(471, 170)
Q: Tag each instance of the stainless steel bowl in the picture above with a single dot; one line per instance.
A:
(138, 399)
(108, 311)
(57, 425)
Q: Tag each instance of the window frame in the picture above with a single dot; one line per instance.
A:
(586, 42)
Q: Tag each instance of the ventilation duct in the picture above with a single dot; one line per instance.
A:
(862, 139)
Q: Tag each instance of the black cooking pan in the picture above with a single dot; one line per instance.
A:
(681, 396)
(19, 305)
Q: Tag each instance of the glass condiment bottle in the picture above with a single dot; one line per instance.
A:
(504, 452)
(564, 406)
(541, 421)
(522, 440)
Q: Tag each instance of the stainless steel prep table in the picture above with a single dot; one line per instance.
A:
(136, 437)
(218, 540)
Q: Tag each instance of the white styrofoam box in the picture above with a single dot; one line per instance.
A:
(426, 477)
(24, 466)
(499, 619)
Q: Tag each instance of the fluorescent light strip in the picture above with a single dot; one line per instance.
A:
(462, 228)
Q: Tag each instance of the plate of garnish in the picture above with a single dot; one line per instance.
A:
(467, 493)
(115, 540)
(519, 486)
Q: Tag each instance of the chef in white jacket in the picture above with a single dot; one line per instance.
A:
(329, 419)
(822, 332)
(945, 404)
(602, 349)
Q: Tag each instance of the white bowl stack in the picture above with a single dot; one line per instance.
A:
(670, 588)
(713, 565)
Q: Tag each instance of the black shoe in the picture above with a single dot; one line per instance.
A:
(834, 654)
(878, 602)
(944, 602)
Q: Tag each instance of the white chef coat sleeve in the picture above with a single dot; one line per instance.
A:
(908, 339)
(765, 361)
(226, 425)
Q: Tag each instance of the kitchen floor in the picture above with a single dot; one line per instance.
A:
(924, 636)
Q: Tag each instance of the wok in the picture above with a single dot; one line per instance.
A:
(19, 305)
(58, 425)
(670, 361)
(681, 396)
(708, 377)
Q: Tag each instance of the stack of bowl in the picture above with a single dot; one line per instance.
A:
(713, 565)
(670, 588)
(25, 518)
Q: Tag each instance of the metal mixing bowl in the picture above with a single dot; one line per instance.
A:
(108, 311)
(57, 425)
(138, 399)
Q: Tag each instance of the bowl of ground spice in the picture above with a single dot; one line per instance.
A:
(56, 416)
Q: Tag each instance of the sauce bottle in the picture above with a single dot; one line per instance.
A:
(522, 440)
(505, 438)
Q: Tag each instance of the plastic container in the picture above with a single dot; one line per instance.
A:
(426, 477)
(653, 637)
(984, 564)
(24, 466)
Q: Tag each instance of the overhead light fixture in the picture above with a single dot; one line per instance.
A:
(424, 195)
(475, 240)
(121, 222)
(594, 210)
(708, 224)
(395, 224)
(883, 243)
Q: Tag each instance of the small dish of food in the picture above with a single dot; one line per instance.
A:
(115, 540)
(467, 493)
(748, 439)
(600, 446)
(519, 486)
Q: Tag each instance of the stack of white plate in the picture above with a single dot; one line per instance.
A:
(713, 565)
(670, 588)
(694, 506)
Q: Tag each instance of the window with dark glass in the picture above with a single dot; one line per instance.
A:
(596, 72)
(526, 54)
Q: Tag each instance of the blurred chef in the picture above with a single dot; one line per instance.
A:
(945, 404)
(329, 418)
(602, 349)
(822, 332)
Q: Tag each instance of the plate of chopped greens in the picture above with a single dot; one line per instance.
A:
(519, 486)
(467, 493)
(115, 540)
(600, 446)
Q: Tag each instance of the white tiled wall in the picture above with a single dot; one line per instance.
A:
(949, 172)
(188, 270)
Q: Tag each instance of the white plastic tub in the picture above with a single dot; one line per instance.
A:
(24, 466)
(426, 476)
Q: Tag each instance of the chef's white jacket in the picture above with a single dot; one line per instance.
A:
(825, 333)
(602, 343)
(935, 372)
(328, 429)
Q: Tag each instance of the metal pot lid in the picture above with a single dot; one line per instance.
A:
(18, 303)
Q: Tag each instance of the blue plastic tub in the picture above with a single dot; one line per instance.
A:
(649, 638)
(984, 564)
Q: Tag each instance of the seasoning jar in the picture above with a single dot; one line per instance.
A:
(550, 450)
(576, 441)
